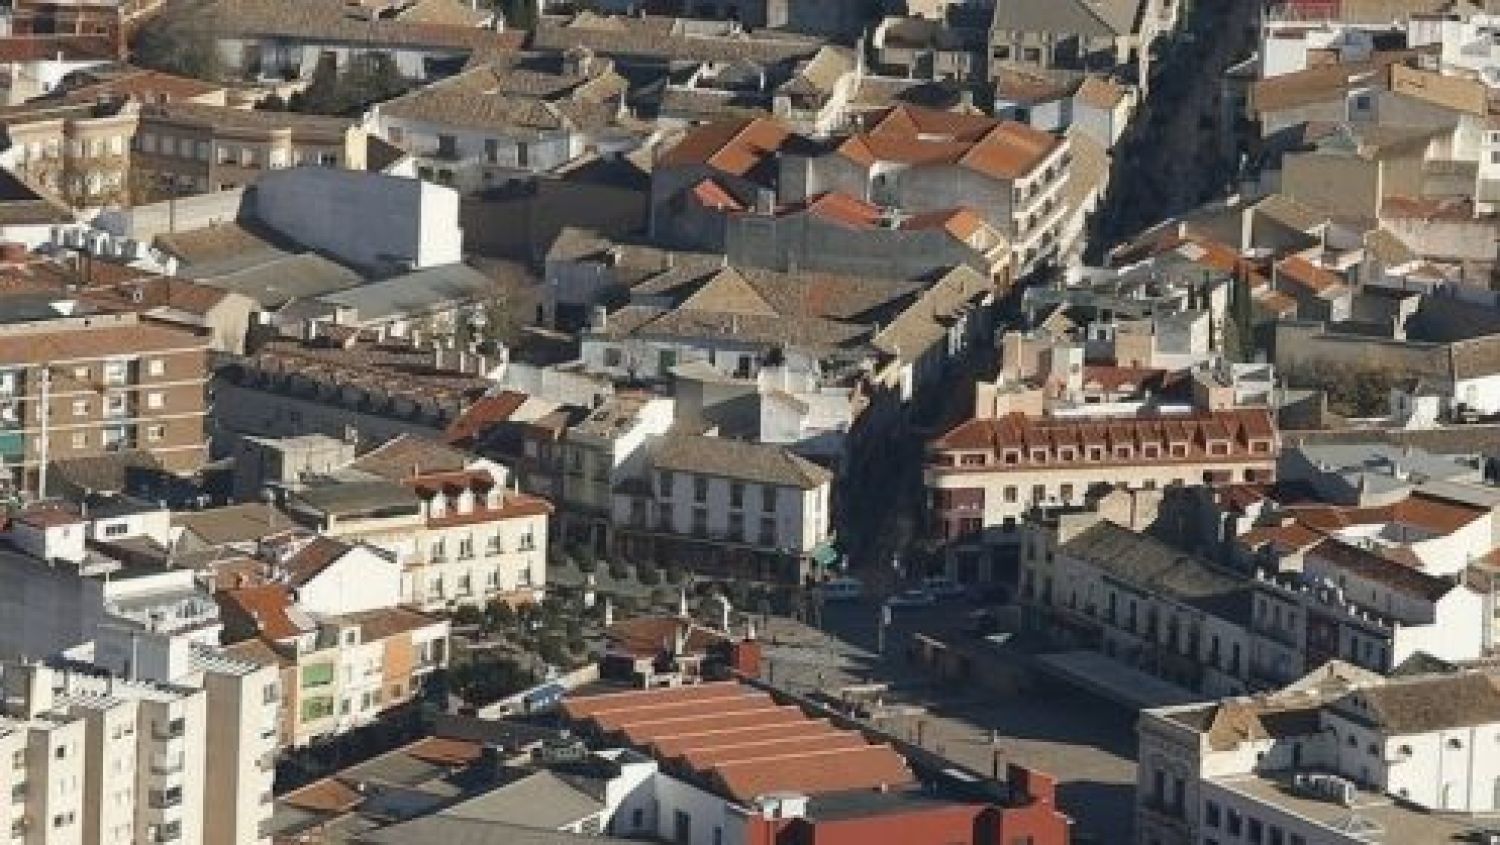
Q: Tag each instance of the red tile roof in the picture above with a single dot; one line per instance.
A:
(484, 413)
(1018, 431)
(731, 146)
(267, 606)
(712, 195)
(1309, 276)
(742, 744)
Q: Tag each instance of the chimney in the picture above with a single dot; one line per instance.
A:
(600, 319)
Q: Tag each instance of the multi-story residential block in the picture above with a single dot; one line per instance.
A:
(338, 670)
(457, 533)
(105, 759)
(602, 450)
(726, 507)
(76, 384)
(188, 148)
(137, 651)
(79, 151)
(723, 186)
(989, 472)
(1338, 758)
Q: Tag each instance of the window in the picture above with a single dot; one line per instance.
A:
(768, 531)
(80, 407)
(156, 366)
(1234, 820)
(700, 521)
(737, 527)
(466, 548)
(116, 529)
(1010, 495)
(438, 552)
(328, 159)
(768, 498)
(491, 151)
(664, 484)
(155, 432)
(1211, 814)
(700, 489)
(1255, 832)
(155, 400)
(736, 494)
(80, 440)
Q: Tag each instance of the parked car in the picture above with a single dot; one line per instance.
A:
(911, 598)
(981, 623)
(943, 587)
(841, 589)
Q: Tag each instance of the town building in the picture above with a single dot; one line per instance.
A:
(1341, 756)
(988, 473)
(731, 763)
(188, 148)
(75, 383)
(509, 119)
(277, 40)
(721, 185)
(460, 535)
(323, 614)
(728, 508)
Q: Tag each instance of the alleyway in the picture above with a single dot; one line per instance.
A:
(1172, 157)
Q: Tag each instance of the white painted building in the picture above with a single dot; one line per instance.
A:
(1341, 756)
(712, 502)
(364, 219)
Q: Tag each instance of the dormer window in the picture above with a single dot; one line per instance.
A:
(1011, 456)
(1039, 455)
(1150, 451)
(464, 502)
(1096, 453)
(1179, 450)
(437, 506)
(1123, 452)
(1067, 453)
(1218, 448)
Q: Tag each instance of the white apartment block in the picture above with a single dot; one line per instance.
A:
(1401, 760)
(460, 537)
(94, 758)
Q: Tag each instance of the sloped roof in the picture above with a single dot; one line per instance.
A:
(1086, 18)
(1425, 705)
(731, 146)
(737, 459)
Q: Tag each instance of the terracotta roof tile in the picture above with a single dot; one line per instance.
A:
(732, 146)
(482, 414)
(1309, 276)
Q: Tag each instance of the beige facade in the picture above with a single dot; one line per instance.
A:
(80, 153)
(989, 473)
(97, 759)
(183, 148)
(74, 387)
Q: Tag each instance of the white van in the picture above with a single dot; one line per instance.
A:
(841, 589)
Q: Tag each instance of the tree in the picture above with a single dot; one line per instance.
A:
(366, 79)
(181, 40)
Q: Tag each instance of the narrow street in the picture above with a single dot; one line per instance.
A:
(1172, 157)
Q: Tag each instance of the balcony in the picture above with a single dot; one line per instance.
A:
(175, 729)
(163, 766)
